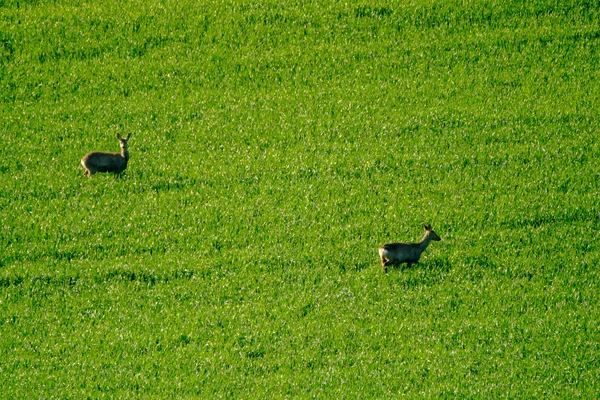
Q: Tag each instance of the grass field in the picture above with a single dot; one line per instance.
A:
(275, 145)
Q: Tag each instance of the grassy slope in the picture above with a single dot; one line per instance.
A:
(274, 147)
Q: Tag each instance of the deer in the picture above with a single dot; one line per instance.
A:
(97, 161)
(409, 253)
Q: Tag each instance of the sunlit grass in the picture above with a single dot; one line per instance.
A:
(274, 147)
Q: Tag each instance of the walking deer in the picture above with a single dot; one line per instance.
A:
(409, 253)
(97, 161)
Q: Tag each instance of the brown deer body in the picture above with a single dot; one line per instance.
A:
(97, 161)
(409, 253)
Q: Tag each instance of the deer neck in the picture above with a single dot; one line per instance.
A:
(125, 153)
(425, 241)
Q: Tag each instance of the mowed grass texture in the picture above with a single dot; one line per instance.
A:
(274, 146)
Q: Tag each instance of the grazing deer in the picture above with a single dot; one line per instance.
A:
(97, 161)
(409, 253)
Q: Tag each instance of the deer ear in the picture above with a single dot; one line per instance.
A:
(427, 227)
(118, 137)
(127, 138)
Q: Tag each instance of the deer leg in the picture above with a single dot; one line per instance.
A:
(385, 264)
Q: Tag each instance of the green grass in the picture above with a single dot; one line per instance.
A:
(274, 146)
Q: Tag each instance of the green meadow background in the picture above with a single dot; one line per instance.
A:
(275, 145)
